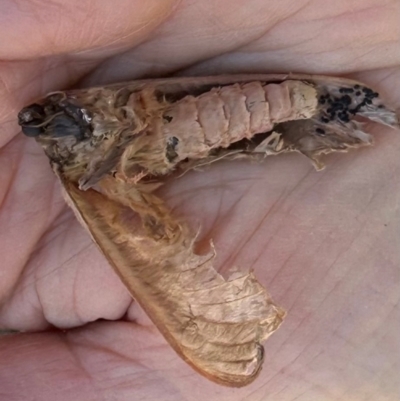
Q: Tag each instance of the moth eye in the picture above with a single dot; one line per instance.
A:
(32, 131)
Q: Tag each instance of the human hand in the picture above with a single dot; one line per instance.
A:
(324, 244)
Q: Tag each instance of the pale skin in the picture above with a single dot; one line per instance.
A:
(324, 244)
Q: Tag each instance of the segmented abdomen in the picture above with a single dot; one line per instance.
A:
(227, 114)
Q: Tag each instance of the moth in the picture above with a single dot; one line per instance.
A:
(112, 146)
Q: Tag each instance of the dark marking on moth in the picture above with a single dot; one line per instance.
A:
(367, 90)
(337, 105)
(343, 116)
(346, 90)
(167, 118)
(350, 102)
(122, 98)
(171, 153)
(346, 100)
(320, 131)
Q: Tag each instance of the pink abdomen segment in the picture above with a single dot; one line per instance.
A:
(227, 114)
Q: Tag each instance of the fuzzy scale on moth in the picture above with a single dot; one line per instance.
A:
(111, 146)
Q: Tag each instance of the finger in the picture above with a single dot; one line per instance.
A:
(195, 32)
(40, 28)
(322, 37)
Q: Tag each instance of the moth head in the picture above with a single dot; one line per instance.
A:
(74, 134)
(63, 128)
(56, 116)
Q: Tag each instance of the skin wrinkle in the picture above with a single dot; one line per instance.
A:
(373, 374)
(220, 217)
(78, 362)
(250, 395)
(182, 68)
(41, 309)
(72, 257)
(346, 48)
(387, 76)
(377, 192)
(306, 286)
(267, 243)
(183, 193)
(282, 46)
(300, 370)
(266, 384)
(13, 91)
(220, 221)
(16, 172)
(324, 300)
(5, 193)
(330, 267)
(39, 281)
(49, 273)
(74, 298)
(4, 206)
(19, 289)
(5, 128)
(262, 36)
(307, 382)
(174, 7)
(207, 235)
(350, 15)
(40, 278)
(289, 257)
(113, 351)
(43, 48)
(371, 346)
(223, 218)
(64, 218)
(386, 318)
(249, 237)
(349, 388)
(301, 395)
(340, 254)
(266, 31)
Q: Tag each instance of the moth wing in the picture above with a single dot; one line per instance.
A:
(215, 325)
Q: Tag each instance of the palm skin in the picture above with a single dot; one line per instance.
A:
(324, 244)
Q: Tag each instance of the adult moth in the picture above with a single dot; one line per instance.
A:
(112, 146)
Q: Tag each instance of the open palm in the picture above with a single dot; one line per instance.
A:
(324, 244)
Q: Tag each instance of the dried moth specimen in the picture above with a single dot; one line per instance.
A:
(111, 147)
